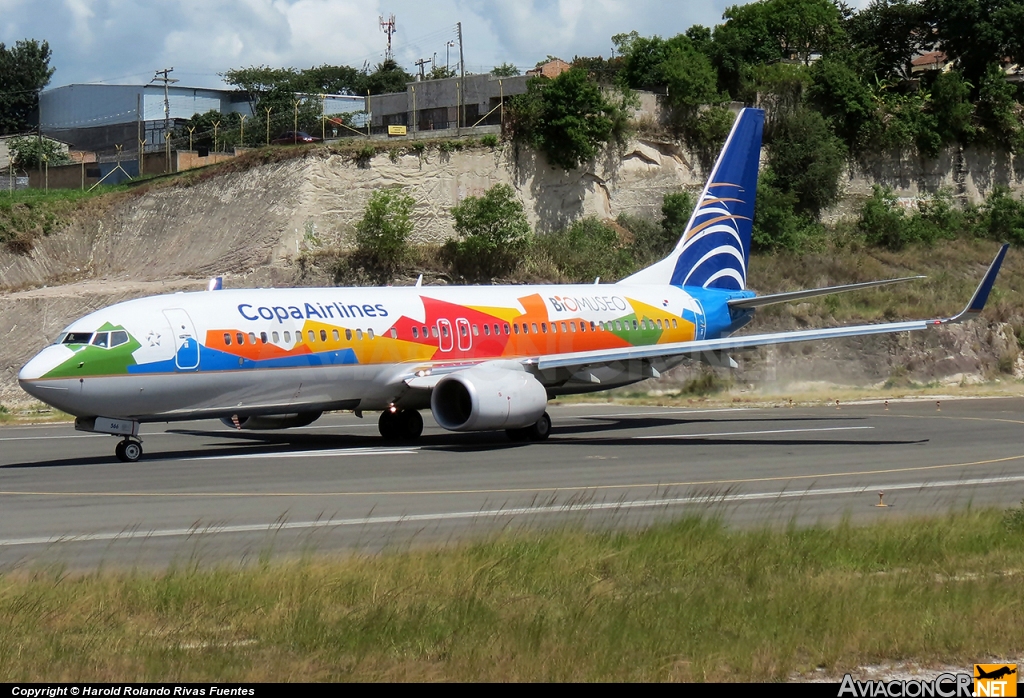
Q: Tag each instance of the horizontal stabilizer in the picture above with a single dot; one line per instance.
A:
(758, 301)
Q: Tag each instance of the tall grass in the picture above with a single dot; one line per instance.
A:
(691, 600)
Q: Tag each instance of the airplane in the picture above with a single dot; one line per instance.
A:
(478, 357)
(995, 673)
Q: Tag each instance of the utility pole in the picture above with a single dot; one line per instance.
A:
(167, 80)
(447, 46)
(462, 76)
(389, 27)
(421, 62)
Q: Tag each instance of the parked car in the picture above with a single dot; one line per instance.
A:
(294, 138)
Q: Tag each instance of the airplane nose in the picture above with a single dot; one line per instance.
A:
(42, 363)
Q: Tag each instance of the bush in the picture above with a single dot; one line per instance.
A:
(1002, 217)
(383, 233)
(649, 241)
(489, 140)
(807, 161)
(493, 232)
(587, 249)
(777, 226)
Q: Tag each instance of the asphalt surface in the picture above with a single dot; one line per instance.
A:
(207, 494)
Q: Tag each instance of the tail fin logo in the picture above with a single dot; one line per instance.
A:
(715, 247)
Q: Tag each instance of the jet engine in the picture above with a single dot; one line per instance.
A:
(483, 397)
(272, 421)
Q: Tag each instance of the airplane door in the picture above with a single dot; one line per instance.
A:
(446, 342)
(186, 345)
(465, 338)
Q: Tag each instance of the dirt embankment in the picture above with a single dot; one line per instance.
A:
(253, 226)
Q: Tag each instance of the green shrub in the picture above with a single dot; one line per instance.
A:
(493, 232)
(649, 239)
(364, 154)
(777, 225)
(383, 233)
(1002, 217)
(489, 140)
(587, 249)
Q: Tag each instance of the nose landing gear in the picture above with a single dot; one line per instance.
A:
(128, 451)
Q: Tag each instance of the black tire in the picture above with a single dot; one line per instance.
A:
(132, 451)
(539, 430)
(119, 452)
(388, 425)
(410, 425)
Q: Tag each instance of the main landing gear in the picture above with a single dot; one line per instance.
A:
(128, 451)
(400, 425)
(538, 431)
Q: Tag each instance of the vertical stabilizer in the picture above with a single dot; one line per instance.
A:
(715, 247)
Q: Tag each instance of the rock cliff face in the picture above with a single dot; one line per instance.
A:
(251, 226)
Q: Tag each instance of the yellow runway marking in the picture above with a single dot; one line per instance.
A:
(520, 490)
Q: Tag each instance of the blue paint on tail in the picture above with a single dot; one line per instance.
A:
(715, 247)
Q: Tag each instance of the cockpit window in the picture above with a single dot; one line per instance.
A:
(101, 339)
(118, 338)
(77, 338)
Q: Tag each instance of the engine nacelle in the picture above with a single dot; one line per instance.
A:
(484, 398)
(272, 421)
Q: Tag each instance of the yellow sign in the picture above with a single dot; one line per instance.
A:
(396, 130)
(995, 680)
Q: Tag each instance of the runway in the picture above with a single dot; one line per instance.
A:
(204, 493)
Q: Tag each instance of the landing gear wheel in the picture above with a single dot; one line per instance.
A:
(538, 431)
(410, 425)
(388, 425)
(128, 451)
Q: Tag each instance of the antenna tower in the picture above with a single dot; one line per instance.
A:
(389, 27)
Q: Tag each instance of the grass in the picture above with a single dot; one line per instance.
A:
(691, 600)
(31, 213)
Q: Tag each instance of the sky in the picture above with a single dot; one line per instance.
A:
(127, 41)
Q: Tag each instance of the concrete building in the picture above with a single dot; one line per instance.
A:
(433, 105)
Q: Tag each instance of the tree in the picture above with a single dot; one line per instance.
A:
(997, 108)
(892, 32)
(568, 118)
(387, 77)
(950, 102)
(257, 81)
(30, 152)
(333, 80)
(383, 233)
(841, 96)
(807, 160)
(493, 232)
(440, 72)
(505, 70)
(24, 71)
(977, 33)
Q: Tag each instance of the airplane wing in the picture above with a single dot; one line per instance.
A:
(758, 301)
(581, 360)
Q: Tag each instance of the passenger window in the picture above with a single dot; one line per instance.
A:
(535, 328)
(263, 337)
(288, 337)
(323, 335)
(424, 332)
(583, 325)
(415, 333)
(348, 335)
(394, 333)
(487, 330)
(444, 330)
(335, 335)
(369, 333)
(77, 338)
(592, 327)
(506, 328)
(572, 326)
(118, 338)
(659, 325)
(564, 328)
(476, 330)
(635, 326)
(276, 337)
(515, 327)
(674, 325)
(227, 339)
(240, 338)
(543, 327)
(554, 327)
(359, 335)
(462, 330)
(102, 339)
(312, 336)
(433, 332)
(252, 338)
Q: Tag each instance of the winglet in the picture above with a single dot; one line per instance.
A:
(977, 303)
